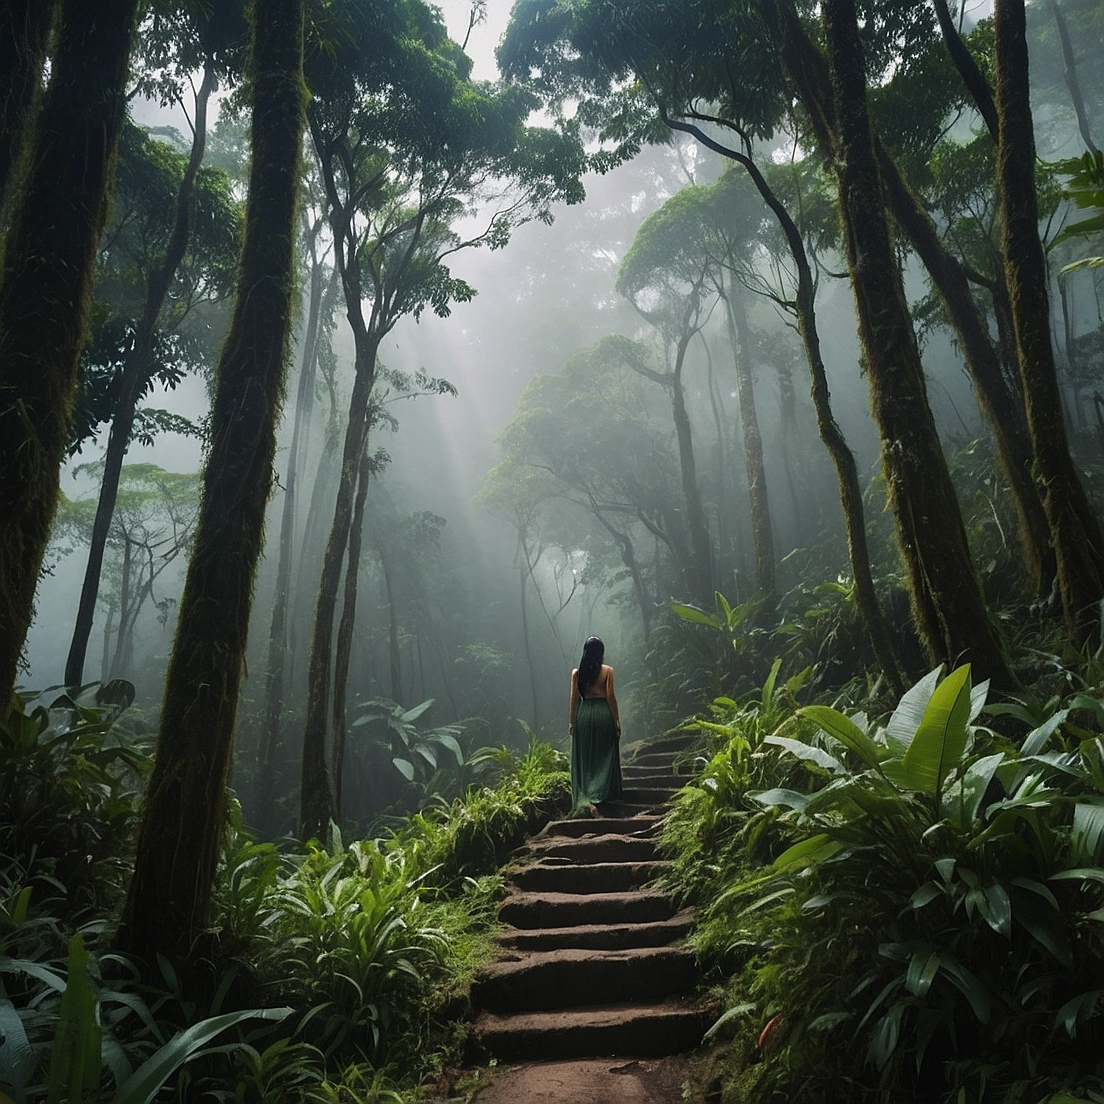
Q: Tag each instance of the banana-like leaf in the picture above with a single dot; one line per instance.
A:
(845, 731)
(1036, 739)
(940, 740)
(807, 852)
(906, 718)
(695, 615)
(780, 797)
(805, 751)
(962, 803)
(148, 1078)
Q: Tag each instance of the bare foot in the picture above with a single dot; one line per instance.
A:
(592, 810)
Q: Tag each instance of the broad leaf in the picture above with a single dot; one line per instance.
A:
(807, 852)
(909, 713)
(806, 751)
(940, 739)
(1087, 834)
(845, 731)
(697, 616)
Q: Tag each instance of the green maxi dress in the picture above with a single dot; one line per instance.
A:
(595, 755)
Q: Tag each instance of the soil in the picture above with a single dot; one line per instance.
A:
(671, 1080)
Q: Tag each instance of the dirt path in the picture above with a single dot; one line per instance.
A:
(595, 1081)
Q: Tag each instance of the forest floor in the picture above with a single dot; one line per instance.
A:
(669, 1080)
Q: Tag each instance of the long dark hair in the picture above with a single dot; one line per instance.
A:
(591, 663)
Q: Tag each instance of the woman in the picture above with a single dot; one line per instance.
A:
(595, 732)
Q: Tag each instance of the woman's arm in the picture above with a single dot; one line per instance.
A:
(573, 705)
(611, 697)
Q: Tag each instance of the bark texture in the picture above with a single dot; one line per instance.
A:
(45, 291)
(1074, 529)
(948, 606)
(184, 814)
(24, 33)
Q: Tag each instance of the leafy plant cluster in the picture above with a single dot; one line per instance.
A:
(338, 971)
(904, 910)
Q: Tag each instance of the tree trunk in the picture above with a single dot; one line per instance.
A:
(184, 814)
(317, 806)
(997, 403)
(523, 571)
(847, 474)
(136, 375)
(24, 34)
(1001, 407)
(948, 606)
(700, 584)
(277, 658)
(345, 628)
(761, 531)
(1069, 70)
(1074, 529)
(967, 68)
(45, 292)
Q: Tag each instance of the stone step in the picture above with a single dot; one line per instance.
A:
(663, 759)
(572, 977)
(656, 933)
(631, 1031)
(564, 910)
(558, 875)
(600, 847)
(645, 794)
(638, 825)
(653, 776)
(674, 742)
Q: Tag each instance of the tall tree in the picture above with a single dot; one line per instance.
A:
(398, 170)
(163, 246)
(1078, 540)
(948, 605)
(184, 811)
(24, 33)
(45, 290)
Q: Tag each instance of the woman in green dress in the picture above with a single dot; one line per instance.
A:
(595, 732)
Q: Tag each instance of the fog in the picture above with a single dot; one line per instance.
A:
(439, 613)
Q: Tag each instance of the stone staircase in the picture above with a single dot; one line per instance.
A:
(590, 963)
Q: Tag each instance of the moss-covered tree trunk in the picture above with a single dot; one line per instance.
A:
(24, 33)
(1075, 532)
(137, 372)
(45, 291)
(761, 530)
(185, 808)
(847, 474)
(948, 605)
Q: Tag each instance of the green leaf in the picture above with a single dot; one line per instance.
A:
(17, 1056)
(75, 1054)
(808, 852)
(1080, 874)
(998, 909)
(845, 731)
(148, 1078)
(923, 967)
(1036, 739)
(405, 768)
(728, 1014)
(697, 616)
(1087, 834)
(940, 739)
(787, 799)
(453, 745)
(1077, 1011)
(806, 751)
(962, 803)
(969, 986)
(910, 710)
(411, 715)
